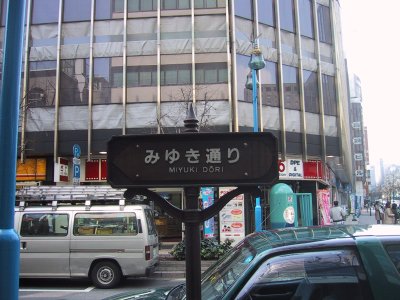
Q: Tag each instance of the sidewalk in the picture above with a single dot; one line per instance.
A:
(367, 217)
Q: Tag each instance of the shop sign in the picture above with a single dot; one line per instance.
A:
(61, 170)
(192, 159)
(291, 169)
(231, 218)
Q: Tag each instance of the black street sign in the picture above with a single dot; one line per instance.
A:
(192, 159)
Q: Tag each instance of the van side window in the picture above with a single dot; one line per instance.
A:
(105, 224)
(44, 224)
(150, 221)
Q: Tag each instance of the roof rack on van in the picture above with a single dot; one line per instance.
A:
(71, 195)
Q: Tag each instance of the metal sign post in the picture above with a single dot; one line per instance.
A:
(192, 160)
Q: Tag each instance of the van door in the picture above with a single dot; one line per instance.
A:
(44, 238)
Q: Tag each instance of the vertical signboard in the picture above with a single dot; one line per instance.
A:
(61, 170)
(76, 150)
(231, 224)
(207, 197)
(324, 204)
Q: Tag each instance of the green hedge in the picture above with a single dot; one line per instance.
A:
(210, 249)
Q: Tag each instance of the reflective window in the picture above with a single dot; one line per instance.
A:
(394, 253)
(242, 72)
(244, 8)
(329, 94)
(45, 11)
(77, 10)
(3, 12)
(269, 84)
(335, 274)
(266, 12)
(306, 18)
(101, 80)
(286, 15)
(42, 83)
(103, 9)
(311, 101)
(208, 3)
(175, 4)
(74, 82)
(44, 224)
(291, 87)
(105, 224)
(211, 73)
(324, 24)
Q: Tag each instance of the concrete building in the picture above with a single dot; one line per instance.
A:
(98, 68)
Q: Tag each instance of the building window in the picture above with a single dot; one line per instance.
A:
(44, 11)
(324, 24)
(291, 87)
(306, 18)
(286, 14)
(266, 12)
(208, 4)
(269, 85)
(244, 9)
(77, 10)
(103, 9)
(101, 80)
(74, 82)
(175, 4)
(42, 83)
(311, 100)
(329, 93)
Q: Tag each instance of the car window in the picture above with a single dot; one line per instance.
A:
(151, 227)
(394, 253)
(44, 224)
(105, 224)
(335, 274)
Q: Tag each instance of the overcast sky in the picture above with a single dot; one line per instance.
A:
(372, 46)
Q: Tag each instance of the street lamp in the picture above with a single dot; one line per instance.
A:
(256, 63)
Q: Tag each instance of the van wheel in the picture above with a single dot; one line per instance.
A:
(106, 275)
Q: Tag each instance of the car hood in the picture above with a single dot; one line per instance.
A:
(150, 293)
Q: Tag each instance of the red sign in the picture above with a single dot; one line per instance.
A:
(92, 170)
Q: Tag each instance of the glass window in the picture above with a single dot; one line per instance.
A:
(311, 101)
(151, 227)
(184, 76)
(171, 77)
(115, 224)
(394, 253)
(286, 15)
(117, 77)
(45, 11)
(136, 5)
(334, 274)
(306, 18)
(145, 78)
(101, 80)
(242, 71)
(77, 10)
(324, 24)
(44, 224)
(266, 12)
(269, 84)
(291, 87)
(244, 8)
(42, 79)
(74, 82)
(103, 9)
(132, 78)
(329, 94)
(169, 4)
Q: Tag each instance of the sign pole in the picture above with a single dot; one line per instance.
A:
(192, 246)
(9, 106)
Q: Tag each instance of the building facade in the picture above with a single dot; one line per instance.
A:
(98, 68)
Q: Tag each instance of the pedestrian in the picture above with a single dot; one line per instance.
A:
(377, 208)
(337, 213)
(388, 215)
(395, 212)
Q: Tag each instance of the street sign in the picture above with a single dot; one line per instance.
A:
(76, 150)
(192, 159)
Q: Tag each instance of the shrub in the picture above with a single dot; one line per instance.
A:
(209, 249)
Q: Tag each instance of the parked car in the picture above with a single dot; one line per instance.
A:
(327, 262)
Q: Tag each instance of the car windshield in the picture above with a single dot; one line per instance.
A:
(217, 280)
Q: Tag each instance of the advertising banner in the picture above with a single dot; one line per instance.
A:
(324, 204)
(231, 225)
(207, 197)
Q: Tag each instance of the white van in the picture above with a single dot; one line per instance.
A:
(70, 238)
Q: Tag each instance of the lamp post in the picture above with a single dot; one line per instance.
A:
(256, 63)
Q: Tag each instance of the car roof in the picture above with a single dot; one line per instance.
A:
(269, 239)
